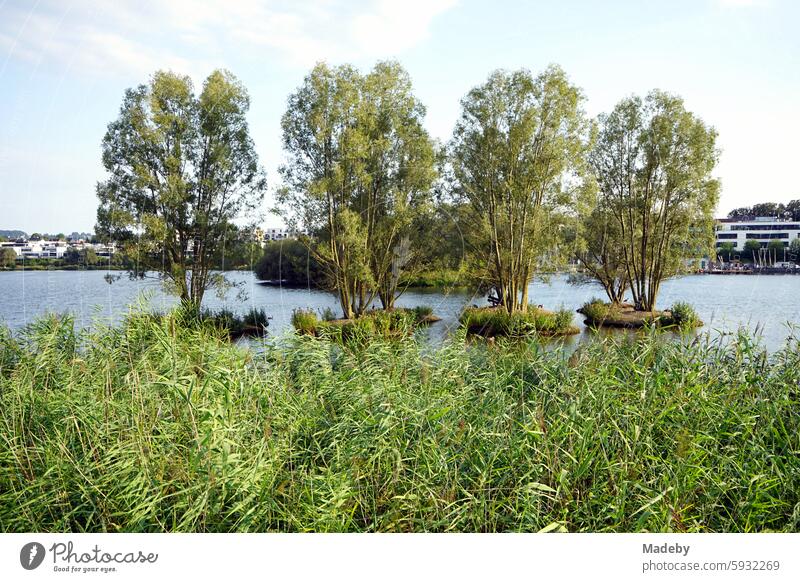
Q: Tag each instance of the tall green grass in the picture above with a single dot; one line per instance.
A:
(159, 426)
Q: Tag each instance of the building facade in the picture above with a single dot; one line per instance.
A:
(53, 249)
(762, 229)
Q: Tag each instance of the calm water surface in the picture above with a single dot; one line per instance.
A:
(766, 304)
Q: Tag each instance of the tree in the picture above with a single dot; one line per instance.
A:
(182, 169)
(793, 208)
(775, 250)
(517, 142)
(291, 262)
(401, 164)
(741, 213)
(752, 247)
(359, 172)
(653, 161)
(794, 249)
(725, 250)
(8, 258)
(90, 256)
(768, 209)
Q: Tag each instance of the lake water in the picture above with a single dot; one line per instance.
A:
(767, 304)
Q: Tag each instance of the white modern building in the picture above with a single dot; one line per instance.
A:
(762, 229)
(53, 249)
(40, 249)
(277, 234)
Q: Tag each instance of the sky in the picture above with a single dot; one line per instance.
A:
(64, 67)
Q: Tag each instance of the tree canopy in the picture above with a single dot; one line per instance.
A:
(653, 161)
(359, 173)
(517, 144)
(182, 168)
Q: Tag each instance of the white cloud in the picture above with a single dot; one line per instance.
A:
(136, 36)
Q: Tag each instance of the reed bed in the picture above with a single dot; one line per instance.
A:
(155, 425)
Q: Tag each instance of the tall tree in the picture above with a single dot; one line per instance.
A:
(653, 162)
(401, 167)
(182, 169)
(725, 250)
(360, 169)
(752, 247)
(515, 147)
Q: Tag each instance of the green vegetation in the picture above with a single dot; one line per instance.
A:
(789, 210)
(652, 162)
(596, 311)
(599, 313)
(726, 250)
(254, 322)
(492, 321)
(442, 278)
(182, 169)
(291, 262)
(157, 426)
(360, 175)
(8, 258)
(683, 315)
(377, 324)
(519, 140)
(752, 247)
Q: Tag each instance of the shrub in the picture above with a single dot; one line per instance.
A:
(489, 321)
(683, 315)
(563, 319)
(422, 311)
(291, 262)
(595, 310)
(257, 317)
(305, 321)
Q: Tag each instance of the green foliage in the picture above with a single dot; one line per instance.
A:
(292, 262)
(790, 210)
(683, 315)
(376, 324)
(653, 163)
(256, 317)
(305, 321)
(775, 248)
(153, 426)
(361, 166)
(794, 249)
(182, 168)
(8, 258)
(726, 250)
(595, 310)
(422, 311)
(490, 322)
(517, 144)
(752, 247)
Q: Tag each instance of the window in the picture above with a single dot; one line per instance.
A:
(767, 235)
(725, 235)
(785, 226)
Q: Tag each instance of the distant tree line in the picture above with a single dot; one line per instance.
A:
(790, 210)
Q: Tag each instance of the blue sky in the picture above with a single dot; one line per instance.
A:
(64, 67)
